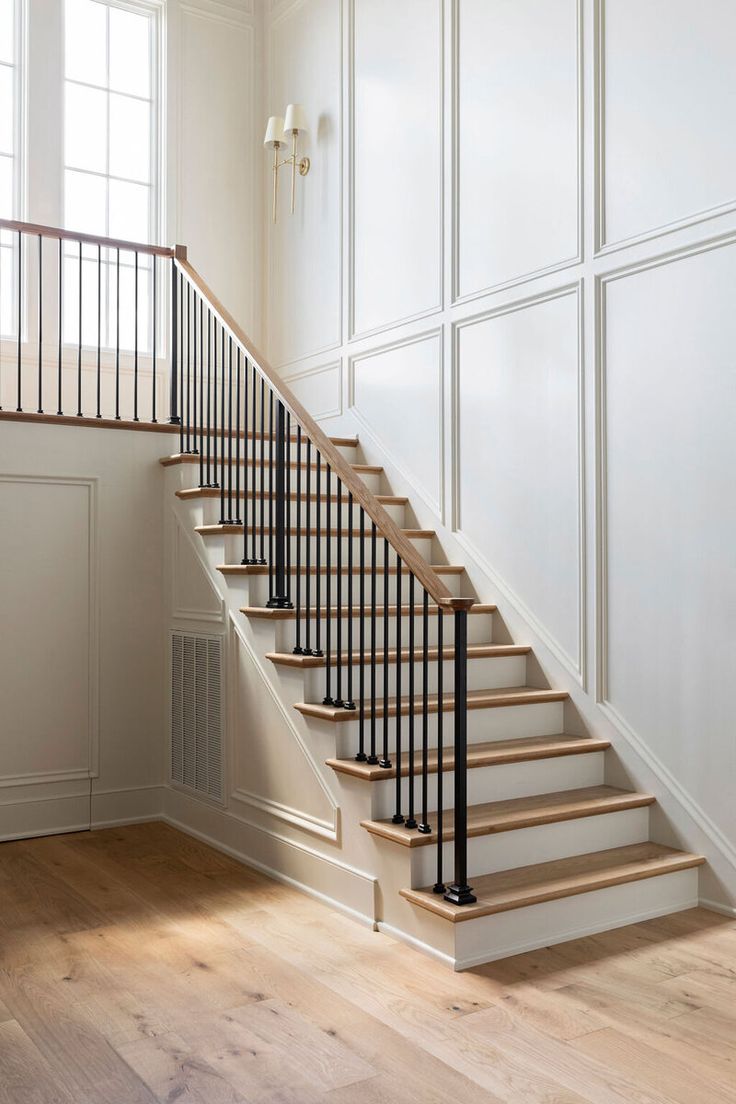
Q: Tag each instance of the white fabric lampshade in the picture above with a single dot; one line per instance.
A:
(295, 119)
(274, 133)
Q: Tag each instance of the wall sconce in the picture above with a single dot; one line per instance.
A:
(277, 132)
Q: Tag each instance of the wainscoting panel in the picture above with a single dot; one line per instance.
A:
(667, 83)
(397, 161)
(48, 645)
(396, 393)
(518, 462)
(319, 389)
(517, 137)
(305, 248)
(668, 581)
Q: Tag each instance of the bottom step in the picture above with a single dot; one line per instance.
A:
(549, 881)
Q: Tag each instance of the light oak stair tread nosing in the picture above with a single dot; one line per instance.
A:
(265, 613)
(490, 753)
(477, 699)
(519, 812)
(475, 651)
(531, 885)
(193, 458)
(262, 569)
(232, 527)
(215, 492)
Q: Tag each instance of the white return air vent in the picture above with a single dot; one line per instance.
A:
(196, 712)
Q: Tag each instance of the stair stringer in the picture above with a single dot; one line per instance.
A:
(677, 820)
(286, 842)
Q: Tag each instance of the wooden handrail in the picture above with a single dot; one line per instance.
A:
(337, 463)
(38, 230)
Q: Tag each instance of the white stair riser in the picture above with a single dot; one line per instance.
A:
(480, 630)
(526, 846)
(493, 783)
(483, 674)
(234, 550)
(498, 723)
(260, 589)
(242, 509)
(190, 478)
(551, 922)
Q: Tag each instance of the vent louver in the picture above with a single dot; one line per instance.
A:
(196, 712)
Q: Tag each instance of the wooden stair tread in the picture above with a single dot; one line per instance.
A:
(193, 458)
(548, 881)
(230, 528)
(477, 699)
(517, 812)
(475, 651)
(491, 753)
(263, 569)
(215, 492)
(217, 434)
(264, 613)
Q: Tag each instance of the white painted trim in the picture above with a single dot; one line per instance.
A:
(458, 300)
(321, 369)
(277, 876)
(574, 933)
(602, 247)
(93, 702)
(180, 612)
(416, 944)
(354, 335)
(718, 906)
(436, 332)
(577, 667)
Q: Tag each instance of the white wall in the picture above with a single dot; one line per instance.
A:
(81, 649)
(520, 293)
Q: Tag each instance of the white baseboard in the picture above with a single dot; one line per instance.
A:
(718, 906)
(417, 944)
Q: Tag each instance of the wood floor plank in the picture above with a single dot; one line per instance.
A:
(25, 1076)
(139, 966)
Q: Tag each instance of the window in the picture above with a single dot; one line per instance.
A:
(110, 161)
(9, 147)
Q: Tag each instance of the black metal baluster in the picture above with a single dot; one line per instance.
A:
(238, 371)
(439, 886)
(338, 569)
(223, 388)
(19, 407)
(317, 650)
(372, 757)
(188, 286)
(209, 398)
(79, 352)
(328, 586)
(246, 474)
(185, 434)
(177, 311)
(201, 392)
(154, 322)
(230, 514)
(59, 380)
(424, 826)
(460, 893)
(254, 500)
(385, 762)
(99, 332)
(350, 703)
(280, 508)
(361, 755)
(298, 632)
(135, 335)
(286, 464)
(174, 418)
(308, 576)
(195, 365)
(262, 558)
(398, 818)
(40, 324)
(214, 402)
(411, 821)
(271, 565)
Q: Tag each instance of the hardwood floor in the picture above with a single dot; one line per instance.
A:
(138, 965)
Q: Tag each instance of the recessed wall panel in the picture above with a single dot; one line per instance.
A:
(517, 139)
(518, 458)
(397, 156)
(670, 583)
(669, 84)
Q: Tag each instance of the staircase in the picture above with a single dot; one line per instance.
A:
(467, 789)
(551, 850)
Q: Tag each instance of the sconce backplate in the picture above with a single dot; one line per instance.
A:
(304, 166)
